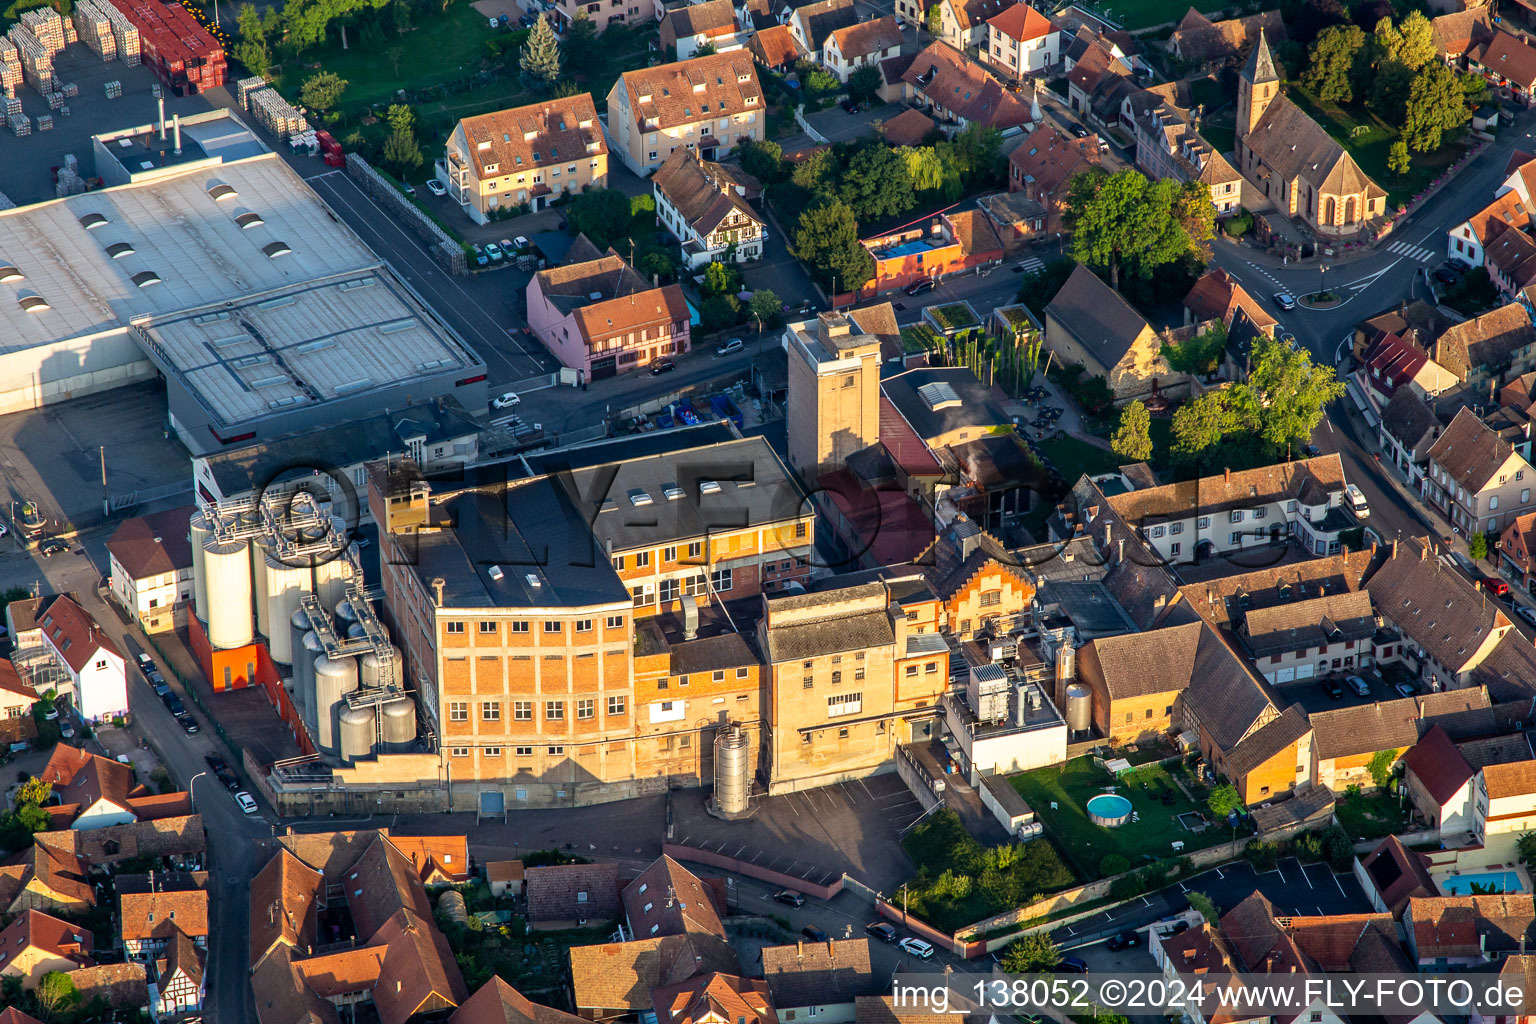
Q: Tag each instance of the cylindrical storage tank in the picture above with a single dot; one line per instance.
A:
(357, 732)
(334, 679)
(357, 632)
(228, 568)
(1079, 708)
(345, 617)
(371, 671)
(286, 586)
(298, 625)
(397, 721)
(197, 536)
(259, 555)
(733, 770)
(334, 572)
(309, 651)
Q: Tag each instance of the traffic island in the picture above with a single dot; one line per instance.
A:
(1321, 300)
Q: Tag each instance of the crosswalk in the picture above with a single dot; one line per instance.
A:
(1412, 251)
(1031, 264)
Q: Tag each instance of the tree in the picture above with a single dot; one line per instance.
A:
(56, 992)
(876, 183)
(817, 172)
(1224, 800)
(1200, 354)
(1477, 546)
(1331, 62)
(1411, 42)
(933, 21)
(1112, 864)
(1436, 104)
(400, 118)
(1526, 847)
(766, 308)
(580, 45)
(718, 312)
(34, 791)
(1125, 222)
(252, 49)
(1202, 905)
(763, 160)
(1397, 158)
(540, 60)
(1380, 767)
(1132, 439)
(400, 18)
(1287, 391)
(402, 153)
(322, 91)
(827, 239)
(864, 83)
(602, 214)
(720, 279)
(1031, 954)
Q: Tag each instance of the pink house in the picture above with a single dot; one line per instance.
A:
(602, 317)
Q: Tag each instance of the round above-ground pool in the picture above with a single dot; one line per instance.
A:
(1109, 810)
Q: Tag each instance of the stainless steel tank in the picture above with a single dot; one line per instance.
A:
(228, 569)
(334, 678)
(345, 616)
(356, 631)
(260, 552)
(357, 732)
(304, 656)
(1079, 708)
(397, 720)
(197, 536)
(298, 625)
(376, 671)
(286, 586)
(333, 572)
(733, 769)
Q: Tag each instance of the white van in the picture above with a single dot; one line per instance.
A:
(1356, 502)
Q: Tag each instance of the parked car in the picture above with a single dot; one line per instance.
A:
(1360, 686)
(436, 187)
(521, 242)
(851, 107)
(1446, 276)
(661, 366)
(1285, 300)
(1072, 965)
(408, 188)
(917, 947)
(1334, 688)
(506, 401)
(730, 347)
(880, 930)
(221, 771)
(246, 802)
(494, 252)
(145, 661)
(1125, 940)
(1355, 499)
(789, 898)
(1078, 130)
(927, 284)
(1458, 265)
(49, 548)
(1406, 690)
(173, 703)
(813, 933)
(1312, 450)
(1528, 614)
(188, 724)
(481, 259)
(1494, 585)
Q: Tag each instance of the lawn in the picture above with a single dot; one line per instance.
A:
(1139, 14)
(1368, 139)
(1222, 136)
(1073, 457)
(1372, 816)
(1059, 795)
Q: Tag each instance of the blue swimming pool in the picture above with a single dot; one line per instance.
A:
(1497, 881)
(911, 248)
(1109, 810)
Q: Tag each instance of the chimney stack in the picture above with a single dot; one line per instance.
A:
(162, 119)
(176, 126)
(1227, 474)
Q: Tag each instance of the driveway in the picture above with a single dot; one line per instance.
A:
(840, 126)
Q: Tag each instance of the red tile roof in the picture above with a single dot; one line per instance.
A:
(1438, 765)
(901, 442)
(951, 80)
(74, 633)
(1508, 57)
(1051, 158)
(33, 928)
(776, 45)
(1392, 362)
(153, 545)
(1022, 22)
(908, 128)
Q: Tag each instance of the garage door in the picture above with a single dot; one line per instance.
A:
(492, 802)
(1285, 675)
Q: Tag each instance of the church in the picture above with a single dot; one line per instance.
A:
(1294, 161)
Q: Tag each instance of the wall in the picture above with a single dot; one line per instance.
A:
(44, 374)
(690, 854)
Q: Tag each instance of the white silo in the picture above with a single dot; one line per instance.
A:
(332, 570)
(260, 552)
(397, 719)
(286, 586)
(334, 679)
(346, 616)
(228, 569)
(310, 649)
(298, 625)
(197, 535)
(356, 732)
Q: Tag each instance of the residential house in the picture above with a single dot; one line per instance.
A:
(1169, 146)
(1448, 626)
(776, 48)
(958, 92)
(710, 104)
(1451, 932)
(1417, 321)
(47, 879)
(668, 899)
(1303, 170)
(561, 895)
(1458, 33)
(1021, 41)
(155, 908)
(1346, 739)
(285, 901)
(150, 563)
(1094, 64)
(860, 45)
(714, 998)
(496, 1002)
(704, 205)
(601, 15)
(1510, 810)
(1517, 550)
(1391, 875)
(16, 699)
(180, 979)
(1310, 638)
(953, 242)
(1443, 787)
(1199, 40)
(35, 944)
(95, 792)
(963, 23)
(119, 986)
(1476, 478)
(1468, 241)
(1407, 430)
(504, 877)
(1216, 295)
(1188, 956)
(908, 128)
(1090, 325)
(1224, 601)
(819, 980)
(1395, 362)
(1510, 260)
(1508, 63)
(1499, 344)
(528, 155)
(1042, 166)
(814, 23)
(89, 658)
(602, 317)
(615, 981)
(687, 30)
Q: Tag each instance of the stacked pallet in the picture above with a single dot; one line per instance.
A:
(12, 106)
(245, 87)
(70, 90)
(275, 114)
(10, 66)
(36, 61)
(124, 33)
(55, 100)
(21, 124)
(45, 122)
(114, 90)
(47, 26)
(95, 28)
(71, 35)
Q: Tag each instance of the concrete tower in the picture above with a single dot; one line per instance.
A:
(834, 393)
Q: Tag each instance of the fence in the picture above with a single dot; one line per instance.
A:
(805, 126)
(440, 245)
(741, 867)
(119, 502)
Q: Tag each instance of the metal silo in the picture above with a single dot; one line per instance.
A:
(398, 721)
(333, 572)
(305, 655)
(260, 552)
(375, 671)
(1079, 708)
(345, 617)
(228, 569)
(357, 732)
(733, 769)
(357, 632)
(286, 585)
(334, 678)
(298, 625)
(197, 535)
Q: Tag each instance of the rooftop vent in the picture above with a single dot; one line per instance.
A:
(709, 487)
(9, 273)
(276, 249)
(145, 278)
(673, 492)
(219, 190)
(92, 220)
(360, 384)
(117, 250)
(533, 580)
(638, 497)
(316, 345)
(32, 303)
(249, 219)
(939, 395)
(494, 572)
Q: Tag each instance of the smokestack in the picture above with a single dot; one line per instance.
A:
(176, 126)
(1227, 474)
(162, 119)
(437, 588)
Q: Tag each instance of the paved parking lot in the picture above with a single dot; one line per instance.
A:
(839, 126)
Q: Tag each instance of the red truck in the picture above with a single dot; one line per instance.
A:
(330, 149)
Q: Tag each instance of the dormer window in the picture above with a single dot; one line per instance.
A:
(492, 168)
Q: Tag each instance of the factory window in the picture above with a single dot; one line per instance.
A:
(586, 708)
(554, 711)
(459, 751)
(487, 627)
(551, 626)
(490, 710)
(911, 671)
(1202, 522)
(695, 549)
(1149, 712)
(685, 741)
(858, 673)
(458, 711)
(523, 751)
(520, 627)
(557, 751)
(522, 710)
(583, 625)
(741, 673)
(615, 622)
(842, 734)
(615, 705)
(492, 751)
(844, 704)
(669, 590)
(455, 627)
(642, 559)
(720, 579)
(618, 563)
(799, 530)
(669, 554)
(807, 682)
(837, 677)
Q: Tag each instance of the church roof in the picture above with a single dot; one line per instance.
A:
(1292, 146)
(1261, 63)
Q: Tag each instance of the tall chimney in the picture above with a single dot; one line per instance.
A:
(1227, 474)
(176, 126)
(162, 119)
